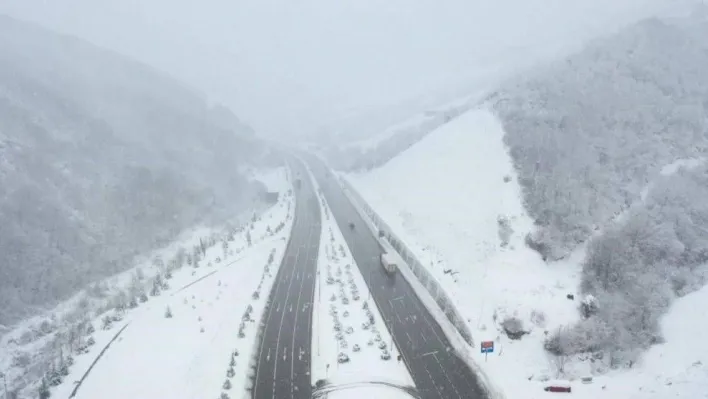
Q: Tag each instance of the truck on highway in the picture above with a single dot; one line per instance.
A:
(388, 262)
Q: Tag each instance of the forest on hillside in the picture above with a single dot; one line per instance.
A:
(610, 145)
(102, 159)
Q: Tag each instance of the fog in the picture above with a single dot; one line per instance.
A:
(296, 68)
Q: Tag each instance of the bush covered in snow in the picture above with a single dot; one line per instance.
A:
(513, 327)
(588, 134)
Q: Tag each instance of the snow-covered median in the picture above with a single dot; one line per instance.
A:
(351, 344)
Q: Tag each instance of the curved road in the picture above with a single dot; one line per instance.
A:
(283, 368)
(435, 368)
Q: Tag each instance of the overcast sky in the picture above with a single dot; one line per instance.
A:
(294, 66)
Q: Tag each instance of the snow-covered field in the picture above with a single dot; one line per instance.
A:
(449, 197)
(346, 320)
(188, 354)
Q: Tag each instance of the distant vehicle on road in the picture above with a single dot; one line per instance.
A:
(298, 183)
(388, 263)
(351, 225)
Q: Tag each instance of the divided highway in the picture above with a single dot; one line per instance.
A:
(435, 368)
(283, 368)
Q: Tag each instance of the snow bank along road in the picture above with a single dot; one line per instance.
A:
(283, 367)
(433, 364)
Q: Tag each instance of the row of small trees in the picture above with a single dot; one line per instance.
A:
(76, 338)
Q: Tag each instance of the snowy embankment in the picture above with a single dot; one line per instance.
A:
(454, 199)
(173, 326)
(445, 197)
(347, 321)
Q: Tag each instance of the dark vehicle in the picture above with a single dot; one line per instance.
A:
(351, 225)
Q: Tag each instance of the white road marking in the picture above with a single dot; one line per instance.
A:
(292, 358)
(265, 331)
(282, 318)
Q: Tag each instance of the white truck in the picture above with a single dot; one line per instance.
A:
(388, 262)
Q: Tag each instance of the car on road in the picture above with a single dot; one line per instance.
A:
(351, 225)
(342, 358)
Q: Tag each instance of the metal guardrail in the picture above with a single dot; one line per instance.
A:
(420, 271)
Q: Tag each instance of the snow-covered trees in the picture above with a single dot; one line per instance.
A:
(634, 269)
(591, 139)
(588, 134)
(133, 189)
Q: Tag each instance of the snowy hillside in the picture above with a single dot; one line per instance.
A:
(609, 144)
(167, 327)
(456, 201)
(449, 196)
(102, 159)
(589, 132)
(380, 148)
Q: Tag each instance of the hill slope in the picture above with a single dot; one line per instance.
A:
(609, 173)
(101, 158)
(588, 134)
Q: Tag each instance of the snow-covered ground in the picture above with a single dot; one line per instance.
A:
(343, 315)
(448, 197)
(158, 356)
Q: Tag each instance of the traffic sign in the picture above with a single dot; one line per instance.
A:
(487, 346)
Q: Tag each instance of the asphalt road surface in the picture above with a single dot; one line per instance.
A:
(283, 368)
(435, 368)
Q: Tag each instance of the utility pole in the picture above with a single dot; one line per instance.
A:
(370, 284)
(319, 297)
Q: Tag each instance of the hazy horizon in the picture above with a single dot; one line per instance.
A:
(292, 69)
